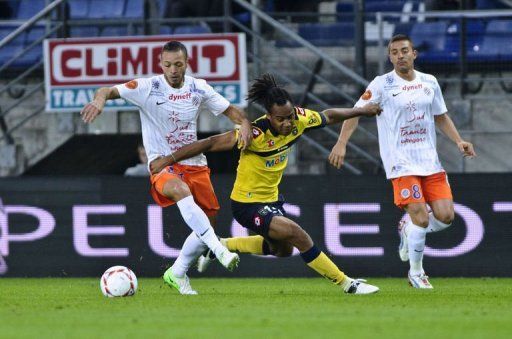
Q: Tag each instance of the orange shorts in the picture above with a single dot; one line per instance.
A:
(198, 180)
(411, 189)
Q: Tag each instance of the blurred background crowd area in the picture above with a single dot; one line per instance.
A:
(324, 52)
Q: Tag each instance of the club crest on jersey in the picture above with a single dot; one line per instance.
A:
(301, 111)
(131, 84)
(257, 221)
(295, 131)
(405, 193)
(255, 132)
(155, 85)
(270, 143)
(367, 95)
(389, 79)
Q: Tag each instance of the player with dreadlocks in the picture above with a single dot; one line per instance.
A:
(255, 201)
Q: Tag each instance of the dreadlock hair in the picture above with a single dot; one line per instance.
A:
(266, 92)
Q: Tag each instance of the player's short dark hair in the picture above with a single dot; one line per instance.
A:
(265, 91)
(400, 37)
(175, 46)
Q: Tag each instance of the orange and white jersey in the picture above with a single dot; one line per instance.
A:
(169, 115)
(406, 126)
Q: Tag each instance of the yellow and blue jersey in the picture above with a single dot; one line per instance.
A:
(262, 164)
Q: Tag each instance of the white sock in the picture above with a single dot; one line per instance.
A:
(191, 250)
(197, 220)
(416, 236)
(345, 283)
(435, 225)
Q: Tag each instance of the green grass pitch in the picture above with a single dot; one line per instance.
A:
(256, 308)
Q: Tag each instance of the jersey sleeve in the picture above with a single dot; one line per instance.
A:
(372, 94)
(257, 136)
(212, 101)
(134, 91)
(438, 104)
(309, 119)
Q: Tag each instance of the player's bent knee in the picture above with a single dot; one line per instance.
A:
(422, 223)
(176, 189)
(446, 218)
(420, 219)
(285, 250)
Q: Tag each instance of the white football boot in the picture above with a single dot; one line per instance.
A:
(419, 281)
(228, 259)
(359, 286)
(403, 248)
(207, 258)
(182, 285)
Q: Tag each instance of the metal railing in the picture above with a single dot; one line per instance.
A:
(462, 65)
(24, 94)
(60, 23)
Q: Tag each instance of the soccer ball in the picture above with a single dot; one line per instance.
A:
(118, 281)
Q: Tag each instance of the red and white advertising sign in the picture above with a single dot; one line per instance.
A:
(75, 68)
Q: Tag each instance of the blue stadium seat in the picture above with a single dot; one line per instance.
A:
(475, 30)
(78, 9)
(373, 7)
(35, 33)
(162, 7)
(8, 9)
(135, 9)
(84, 31)
(114, 31)
(165, 30)
(429, 39)
(345, 11)
(34, 54)
(6, 29)
(335, 34)
(13, 47)
(192, 29)
(244, 17)
(29, 8)
(489, 4)
(99, 9)
(495, 45)
(403, 28)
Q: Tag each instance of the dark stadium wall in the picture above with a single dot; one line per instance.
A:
(86, 154)
(79, 226)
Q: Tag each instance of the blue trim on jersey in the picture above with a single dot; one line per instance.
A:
(310, 254)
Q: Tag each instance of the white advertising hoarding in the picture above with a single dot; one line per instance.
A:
(75, 68)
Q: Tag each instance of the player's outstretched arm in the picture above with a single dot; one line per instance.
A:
(336, 115)
(446, 125)
(94, 108)
(337, 155)
(238, 117)
(215, 143)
